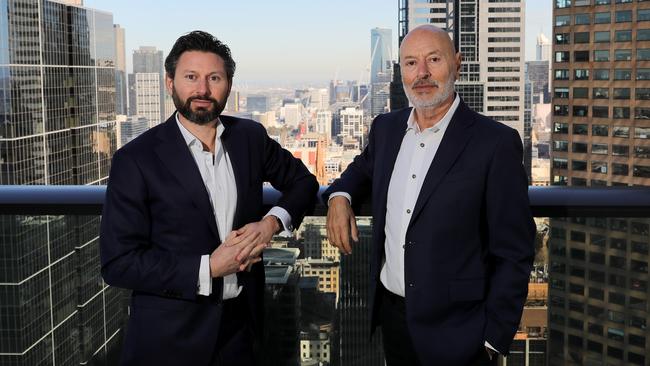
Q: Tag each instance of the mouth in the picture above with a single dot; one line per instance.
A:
(201, 103)
(423, 88)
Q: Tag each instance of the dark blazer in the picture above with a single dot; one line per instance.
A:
(469, 244)
(158, 221)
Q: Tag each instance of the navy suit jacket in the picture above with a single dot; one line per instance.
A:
(158, 221)
(469, 244)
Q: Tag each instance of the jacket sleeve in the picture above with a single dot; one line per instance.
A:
(511, 234)
(129, 258)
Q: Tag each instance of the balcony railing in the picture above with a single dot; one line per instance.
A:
(544, 201)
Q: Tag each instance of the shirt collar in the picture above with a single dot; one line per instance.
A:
(441, 125)
(190, 139)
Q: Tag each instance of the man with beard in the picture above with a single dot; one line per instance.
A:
(452, 229)
(183, 225)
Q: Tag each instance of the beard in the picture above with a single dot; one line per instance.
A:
(202, 115)
(444, 93)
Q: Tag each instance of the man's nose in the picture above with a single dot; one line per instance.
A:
(423, 71)
(203, 87)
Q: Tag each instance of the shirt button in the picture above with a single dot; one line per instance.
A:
(413, 176)
(408, 210)
(411, 285)
(421, 144)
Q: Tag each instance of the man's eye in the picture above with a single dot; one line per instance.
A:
(190, 77)
(215, 78)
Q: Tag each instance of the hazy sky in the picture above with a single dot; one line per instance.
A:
(282, 41)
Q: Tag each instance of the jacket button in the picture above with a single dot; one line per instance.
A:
(411, 284)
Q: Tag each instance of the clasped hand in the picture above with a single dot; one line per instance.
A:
(242, 248)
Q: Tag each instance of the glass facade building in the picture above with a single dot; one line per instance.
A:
(57, 127)
(598, 293)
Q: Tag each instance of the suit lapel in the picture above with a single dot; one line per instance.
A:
(453, 142)
(176, 156)
(235, 143)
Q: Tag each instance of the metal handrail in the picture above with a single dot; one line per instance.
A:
(544, 201)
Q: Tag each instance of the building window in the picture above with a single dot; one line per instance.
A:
(642, 93)
(559, 163)
(623, 36)
(580, 129)
(562, 56)
(641, 171)
(581, 74)
(582, 2)
(561, 128)
(619, 169)
(563, 74)
(599, 112)
(643, 54)
(621, 131)
(598, 167)
(580, 111)
(602, 2)
(599, 18)
(623, 1)
(579, 93)
(620, 150)
(643, 35)
(562, 38)
(621, 93)
(641, 113)
(560, 146)
(601, 36)
(601, 55)
(639, 266)
(562, 20)
(643, 74)
(560, 110)
(642, 15)
(621, 112)
(560, 4)
(599, 130)
(579, 165)
(642, 152)
(579, 147)
(600, 149)
(622, 55)
(623, 16)
(582, 19)
(603, 74)
(622, 74)
(581, 37)
(561, 93)
(600, 93)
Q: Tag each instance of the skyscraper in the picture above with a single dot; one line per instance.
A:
(121, 95)
(598, 309)
(57, 117)
(489, 35)
(149, 99)
(381, 63)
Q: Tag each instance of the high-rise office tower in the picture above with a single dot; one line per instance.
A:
(149, 60)
(543, 48)
(257, 103)
(121, 95)
(381, 64)
(489, 34)
(598, 309)
(351, 119)
(148, 97)
(57, 117)
(355, 347)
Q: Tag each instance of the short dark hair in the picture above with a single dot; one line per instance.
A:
(199, 41)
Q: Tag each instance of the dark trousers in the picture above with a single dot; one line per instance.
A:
(398, 346)
(235, 342)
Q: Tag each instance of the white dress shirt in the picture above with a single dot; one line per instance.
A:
(219, 179)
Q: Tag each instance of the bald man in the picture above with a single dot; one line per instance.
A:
(452, 228)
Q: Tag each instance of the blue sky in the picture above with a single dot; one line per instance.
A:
(281, 42)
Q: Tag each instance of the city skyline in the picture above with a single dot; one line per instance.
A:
(305, 50)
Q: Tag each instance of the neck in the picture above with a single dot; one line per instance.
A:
(205, 133)
(429, 117)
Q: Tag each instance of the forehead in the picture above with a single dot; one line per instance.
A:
(200, 61)
(425, 42)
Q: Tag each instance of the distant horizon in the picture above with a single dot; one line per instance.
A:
(287, 43)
